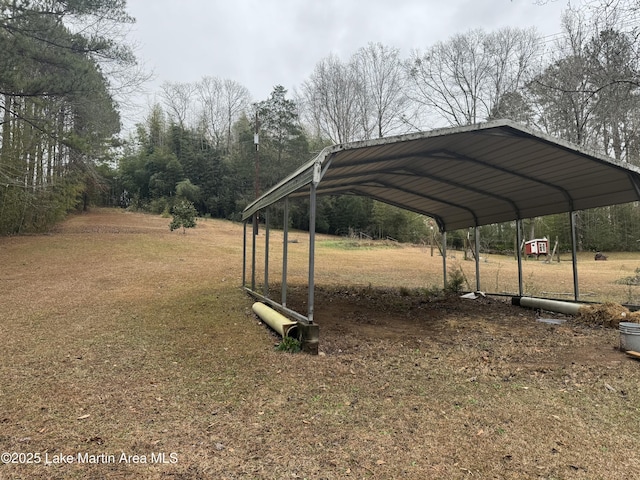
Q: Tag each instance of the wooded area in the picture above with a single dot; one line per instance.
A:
(59, 148)
(59, 119)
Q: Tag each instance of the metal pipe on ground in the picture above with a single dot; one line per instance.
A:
(278, 322)
(559, 306)
(307, 333)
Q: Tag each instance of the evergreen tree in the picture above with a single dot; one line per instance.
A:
(283, 145)
(58, 116)
(184, 215)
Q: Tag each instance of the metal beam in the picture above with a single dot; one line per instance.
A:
(388, 186)
(444, 258)
(574, 256)
(266, 252)
(439, 221)
(277, 306)
(285, 251)
(253, 251)
(447, 154)
(477, 254)
(415, 174)
(519, 254)
(312, 251)
(244, 254)
(508, 171)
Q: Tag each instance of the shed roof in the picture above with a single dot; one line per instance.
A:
(466, 176)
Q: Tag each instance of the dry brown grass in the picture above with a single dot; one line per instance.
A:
(120, 336)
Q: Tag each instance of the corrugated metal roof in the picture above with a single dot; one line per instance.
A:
(467, 176)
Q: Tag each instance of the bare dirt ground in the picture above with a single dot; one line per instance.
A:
(129, 351)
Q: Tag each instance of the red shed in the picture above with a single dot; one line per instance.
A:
(537, 246)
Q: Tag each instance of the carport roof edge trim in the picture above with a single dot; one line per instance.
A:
(304, 175)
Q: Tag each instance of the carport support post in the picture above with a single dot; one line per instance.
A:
(244, 254)
(285, 250)
(266, 253)
(312, 250)
(309, 332)
(253, 252)
(519, 254)
(477, 249)
(444, 258)
(574, 256)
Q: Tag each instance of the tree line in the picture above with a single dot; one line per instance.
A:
(58, 117)
(197, 143)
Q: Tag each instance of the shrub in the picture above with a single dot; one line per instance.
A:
(184, 215)
(289, 344)
(455, 281)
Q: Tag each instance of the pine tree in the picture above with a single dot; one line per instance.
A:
(58, 115)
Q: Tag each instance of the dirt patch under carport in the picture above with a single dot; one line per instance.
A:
(350, 319)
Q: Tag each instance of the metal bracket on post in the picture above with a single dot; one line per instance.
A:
(309, 337)
(317, 173)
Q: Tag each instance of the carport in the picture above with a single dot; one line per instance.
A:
(462, 177)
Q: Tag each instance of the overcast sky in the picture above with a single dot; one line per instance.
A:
(263, 43)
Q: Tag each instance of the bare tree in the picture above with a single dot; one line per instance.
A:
(590, 94)
(613, 61)
(562, 104)
(382, 99)
(611, 58)
(178, 99)
(330, 99)
(513, 58)
(210, 95)
(222, 102)
(236, 100)
(448, 77)
(462, 79)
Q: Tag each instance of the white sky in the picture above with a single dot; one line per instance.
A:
(263, 43)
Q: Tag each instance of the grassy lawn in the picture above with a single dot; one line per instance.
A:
(121, 337)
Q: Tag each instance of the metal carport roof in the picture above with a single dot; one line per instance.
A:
(466, 176)
(462, 177)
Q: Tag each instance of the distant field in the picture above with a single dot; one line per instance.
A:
(383, 263)
(125, 343)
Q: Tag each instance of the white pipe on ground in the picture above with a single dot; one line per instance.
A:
(278, 322)
(559, 306)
